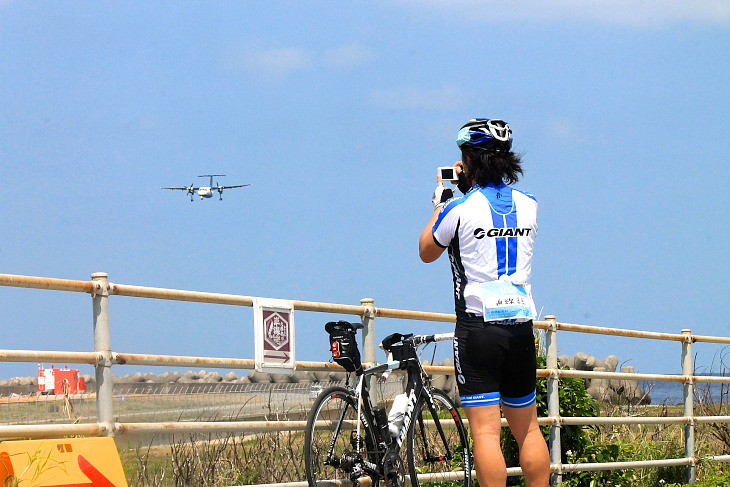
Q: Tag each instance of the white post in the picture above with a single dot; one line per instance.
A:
(689, 428)
(102, 347)
(368, 331)
(553, 398)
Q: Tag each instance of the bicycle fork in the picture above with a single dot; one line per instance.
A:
(428, 455)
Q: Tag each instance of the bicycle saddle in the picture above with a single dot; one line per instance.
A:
(342, 325)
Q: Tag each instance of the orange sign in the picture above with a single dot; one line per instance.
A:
(66, 462)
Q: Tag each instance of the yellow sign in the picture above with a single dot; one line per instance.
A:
(66, 462)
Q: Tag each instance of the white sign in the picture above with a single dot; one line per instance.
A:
(274, 332)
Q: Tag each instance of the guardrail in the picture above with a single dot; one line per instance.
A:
(103, 358)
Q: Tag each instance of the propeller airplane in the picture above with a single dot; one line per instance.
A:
(207, 191)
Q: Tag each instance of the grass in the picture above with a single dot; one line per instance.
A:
(197, 460)
(653, 442)
(218, 461)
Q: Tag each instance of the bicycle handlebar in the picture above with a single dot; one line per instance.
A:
(415, 340)
(419, 340)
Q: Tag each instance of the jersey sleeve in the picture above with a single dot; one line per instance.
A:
(446, 224)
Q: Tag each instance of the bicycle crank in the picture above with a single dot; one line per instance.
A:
(393, 470)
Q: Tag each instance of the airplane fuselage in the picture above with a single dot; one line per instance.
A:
(205, 192)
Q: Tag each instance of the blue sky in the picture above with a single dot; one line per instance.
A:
(338, 114)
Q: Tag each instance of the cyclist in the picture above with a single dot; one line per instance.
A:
(489, 233)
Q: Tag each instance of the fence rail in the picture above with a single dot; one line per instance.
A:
(103, 359)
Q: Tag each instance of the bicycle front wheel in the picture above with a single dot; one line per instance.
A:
(438, 445)
(333, 452)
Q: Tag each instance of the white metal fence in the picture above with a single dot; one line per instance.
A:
(106, 419)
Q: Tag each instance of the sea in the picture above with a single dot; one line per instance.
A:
(672, 392)
(664, 392)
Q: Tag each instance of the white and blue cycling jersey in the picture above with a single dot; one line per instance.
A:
(490, 233)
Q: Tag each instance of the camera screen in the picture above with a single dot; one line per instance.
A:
(447, 173)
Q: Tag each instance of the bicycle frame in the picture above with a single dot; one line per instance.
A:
(416, 387)
(359, 441)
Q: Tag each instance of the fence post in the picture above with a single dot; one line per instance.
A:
(689, 428)
(102, 347)
(553, 398)
(368, 331)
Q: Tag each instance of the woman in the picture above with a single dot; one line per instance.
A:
(490, 232)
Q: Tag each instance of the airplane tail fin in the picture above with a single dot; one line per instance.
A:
(211, 176)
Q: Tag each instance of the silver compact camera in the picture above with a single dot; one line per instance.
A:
(448, 173)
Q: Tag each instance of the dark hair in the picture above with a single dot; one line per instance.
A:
(485, 167)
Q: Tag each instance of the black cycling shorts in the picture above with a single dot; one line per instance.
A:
(495, 362)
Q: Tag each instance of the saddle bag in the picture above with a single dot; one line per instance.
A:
(343, 345)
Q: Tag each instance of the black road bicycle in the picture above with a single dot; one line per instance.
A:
(347, 438)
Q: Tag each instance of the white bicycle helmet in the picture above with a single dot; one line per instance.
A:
(492, 135)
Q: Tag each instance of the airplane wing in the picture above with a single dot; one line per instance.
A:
(229, 187)
(184, 188)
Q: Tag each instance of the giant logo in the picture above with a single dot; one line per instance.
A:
(407, 417)
(507, 232)
(457, 276)
(457, 363)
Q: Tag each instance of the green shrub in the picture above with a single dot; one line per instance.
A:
(580, 444)
(708, 475)
(596, 454)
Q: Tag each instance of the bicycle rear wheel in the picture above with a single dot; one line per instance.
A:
(449, 461)
(332, 451)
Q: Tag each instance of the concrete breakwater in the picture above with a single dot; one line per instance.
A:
(189, 382)
(203, 381)
(609, 390)
(192, 382)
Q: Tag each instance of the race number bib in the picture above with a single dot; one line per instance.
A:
(505, 300)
